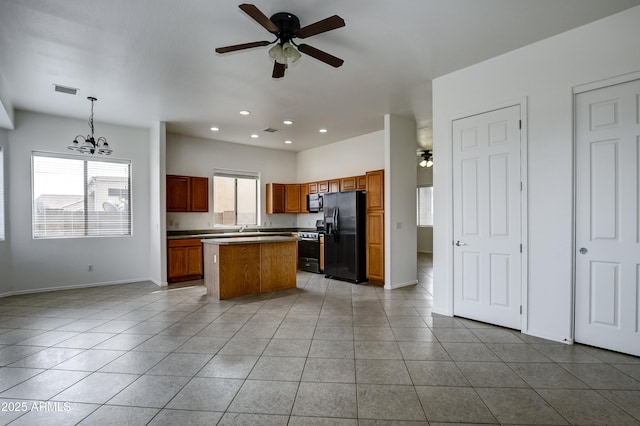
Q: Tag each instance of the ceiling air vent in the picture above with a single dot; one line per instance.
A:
(270, 130)
(65, 89)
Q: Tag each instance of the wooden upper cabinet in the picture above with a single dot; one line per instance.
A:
(275, 198)
(375, 190)
(177, 193)
(199, 194)
(334, 185)
(361, 183)
(313, 188)
(323, 186)
(187, 194)
(348, 184)
(292, 198)
(304, 190)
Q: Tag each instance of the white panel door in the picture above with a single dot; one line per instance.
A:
(607, 220)
(487, 217)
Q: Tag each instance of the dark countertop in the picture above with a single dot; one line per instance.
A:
(232, 233)
(251, 240)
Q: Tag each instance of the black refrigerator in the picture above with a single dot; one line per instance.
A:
(345, 236)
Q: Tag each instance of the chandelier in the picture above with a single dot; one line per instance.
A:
(89, 144)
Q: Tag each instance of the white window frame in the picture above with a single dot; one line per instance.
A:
(418, 206)
(85, 159)
(242, 174)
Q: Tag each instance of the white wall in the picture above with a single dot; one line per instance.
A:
(5, 248)
(43, 264)
(157, 201)
(192, 156)
(425, 233)
(545, 74)
(400, 201)
(350, 157)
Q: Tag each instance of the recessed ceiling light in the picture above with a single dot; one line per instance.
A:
(288, 142)
(287, 122)
(245, 112)
(255, 136)
(215, 129)
(323, 130)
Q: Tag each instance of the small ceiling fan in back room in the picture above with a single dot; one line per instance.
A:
(286, 26)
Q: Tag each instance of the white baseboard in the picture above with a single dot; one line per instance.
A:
(159, 283)
(400, 285)
(71, 287)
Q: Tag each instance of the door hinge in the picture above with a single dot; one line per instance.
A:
(520, 248)
(520, 309)
(520, 124)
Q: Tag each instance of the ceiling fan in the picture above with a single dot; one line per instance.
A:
(286, 26)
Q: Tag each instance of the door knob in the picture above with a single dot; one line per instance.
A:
(460, 243)
(583, 250)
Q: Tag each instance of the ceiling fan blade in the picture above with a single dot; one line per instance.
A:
(278, 70)
(328, 24)
(259, 17)
(235, 47)
(320, 55)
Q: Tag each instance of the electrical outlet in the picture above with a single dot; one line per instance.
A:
(90, 268)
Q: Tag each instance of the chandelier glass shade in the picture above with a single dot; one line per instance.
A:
(283, 53)
(89, 144)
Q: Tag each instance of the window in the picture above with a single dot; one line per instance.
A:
(78, 197)
(235, 198)
(425, 205)
(1, 195)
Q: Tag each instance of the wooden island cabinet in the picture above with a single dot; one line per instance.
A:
(242, 266)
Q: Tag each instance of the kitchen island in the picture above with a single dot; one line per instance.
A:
(241, 266)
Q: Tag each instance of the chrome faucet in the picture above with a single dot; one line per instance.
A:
(243, 227)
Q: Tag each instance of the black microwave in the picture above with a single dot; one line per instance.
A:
(314, 203)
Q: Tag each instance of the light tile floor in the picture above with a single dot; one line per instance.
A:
(326, 353)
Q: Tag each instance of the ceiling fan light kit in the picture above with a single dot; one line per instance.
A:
(427, 159)
(286, 26)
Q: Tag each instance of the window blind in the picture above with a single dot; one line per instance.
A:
(80, 197)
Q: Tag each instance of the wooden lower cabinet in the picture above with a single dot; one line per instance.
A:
(375, 247)
(184, 260)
